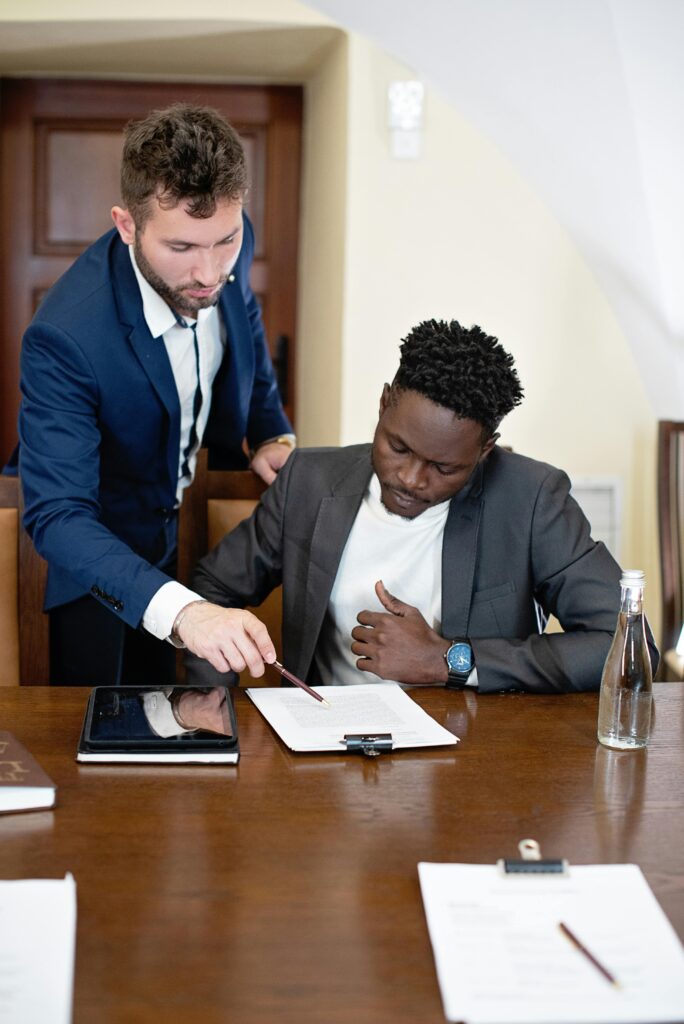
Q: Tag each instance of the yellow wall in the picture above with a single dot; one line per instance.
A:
(321, 300)
(459, 234)
(244, 11)
(386, 243)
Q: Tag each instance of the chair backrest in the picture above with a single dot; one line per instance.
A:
(24, 627)
(212, 506)
(671, 523)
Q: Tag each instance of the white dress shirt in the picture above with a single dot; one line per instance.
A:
(159, 713)
(163, 609)
(180, 348)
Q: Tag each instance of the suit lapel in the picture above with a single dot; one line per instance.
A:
(153, 358)
(150, 352)
(335, 518)
(459, 556)
(236, 373)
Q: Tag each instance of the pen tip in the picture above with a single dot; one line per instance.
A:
(325, 703)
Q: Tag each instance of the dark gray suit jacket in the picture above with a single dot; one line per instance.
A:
(514, 540)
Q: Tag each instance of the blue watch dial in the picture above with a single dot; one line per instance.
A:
(459, 657)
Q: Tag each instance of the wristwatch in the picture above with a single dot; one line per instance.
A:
(460, 663)
(289, 439)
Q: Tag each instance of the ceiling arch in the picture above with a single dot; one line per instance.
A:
(585, 98)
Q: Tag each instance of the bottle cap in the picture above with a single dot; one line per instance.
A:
(633, 578)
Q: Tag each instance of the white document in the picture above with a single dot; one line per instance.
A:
(304, 724)
(501, 957)
(37, 944)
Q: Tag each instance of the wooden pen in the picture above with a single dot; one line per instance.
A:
(590, 956)
(298, 682)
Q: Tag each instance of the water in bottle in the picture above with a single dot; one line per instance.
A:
(624, 720)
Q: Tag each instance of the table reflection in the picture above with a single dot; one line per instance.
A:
(619, 783)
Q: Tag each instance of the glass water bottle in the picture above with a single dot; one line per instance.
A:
(624, 720)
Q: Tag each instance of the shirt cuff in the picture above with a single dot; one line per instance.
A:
(159, 714)
(164, 608)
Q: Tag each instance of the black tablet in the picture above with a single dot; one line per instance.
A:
(175, 723)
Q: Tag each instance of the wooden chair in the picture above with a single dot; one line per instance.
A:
(213, 505)
(671, 526)
(24, 627)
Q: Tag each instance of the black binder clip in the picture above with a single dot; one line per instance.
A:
(531, 862)
(371, 745)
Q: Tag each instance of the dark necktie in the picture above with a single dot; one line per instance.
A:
(197, 400)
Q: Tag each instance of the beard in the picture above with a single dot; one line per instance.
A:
(175, 297)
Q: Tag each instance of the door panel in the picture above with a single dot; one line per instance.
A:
(70, 164)
(61, 146)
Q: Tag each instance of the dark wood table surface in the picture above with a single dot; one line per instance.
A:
(285, 889)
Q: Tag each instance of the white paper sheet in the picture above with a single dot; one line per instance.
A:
(502, 959)
(305, 724)
(37, 944)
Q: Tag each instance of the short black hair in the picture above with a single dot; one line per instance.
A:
(182, 152)
(462, 369)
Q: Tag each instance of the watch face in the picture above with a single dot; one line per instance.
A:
(460, 658)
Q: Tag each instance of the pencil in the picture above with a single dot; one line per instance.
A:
(590, 956)
(298, 682)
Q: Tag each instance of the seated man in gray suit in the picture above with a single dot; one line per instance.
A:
(432, 555)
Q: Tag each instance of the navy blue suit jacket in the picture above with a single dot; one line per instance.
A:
(99, 425)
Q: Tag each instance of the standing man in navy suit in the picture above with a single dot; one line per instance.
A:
(151, 344)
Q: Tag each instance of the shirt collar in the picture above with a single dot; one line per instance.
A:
(159, 316)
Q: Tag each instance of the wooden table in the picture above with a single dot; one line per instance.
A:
(285, 889)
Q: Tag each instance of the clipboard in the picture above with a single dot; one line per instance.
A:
(528, 941)
(531, 861)
(370, 745)
(369, 719)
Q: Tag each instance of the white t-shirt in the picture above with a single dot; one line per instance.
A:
(406, 554)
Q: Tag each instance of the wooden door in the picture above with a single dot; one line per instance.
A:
(61, 145)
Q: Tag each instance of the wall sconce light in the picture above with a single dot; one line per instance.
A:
(405, 118)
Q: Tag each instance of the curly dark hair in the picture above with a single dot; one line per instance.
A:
(183, 152)
(461, 368)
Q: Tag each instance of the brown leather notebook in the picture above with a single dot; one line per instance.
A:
(24, 786)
